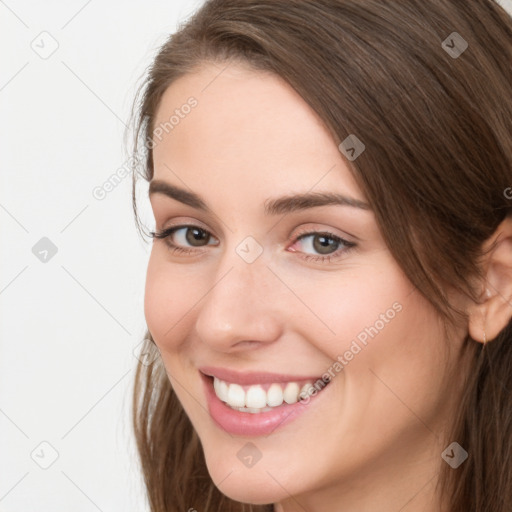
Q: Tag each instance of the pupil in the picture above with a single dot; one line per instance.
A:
(197, 235)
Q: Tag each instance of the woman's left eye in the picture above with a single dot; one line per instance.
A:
(323, 242)
(320, 241)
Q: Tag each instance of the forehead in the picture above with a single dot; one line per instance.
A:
(246, 125)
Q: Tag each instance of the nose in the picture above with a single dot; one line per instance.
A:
(244, 306)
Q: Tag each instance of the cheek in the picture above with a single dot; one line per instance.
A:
(353, 308)
(167, 300)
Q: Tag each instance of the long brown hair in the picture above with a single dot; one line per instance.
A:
(434, 110)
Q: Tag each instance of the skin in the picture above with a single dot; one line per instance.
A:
(375, 443)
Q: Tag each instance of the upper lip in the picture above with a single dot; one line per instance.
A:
(247, 378)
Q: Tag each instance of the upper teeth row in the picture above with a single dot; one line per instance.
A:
(256, 397)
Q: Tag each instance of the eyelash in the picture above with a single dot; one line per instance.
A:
(166, 234)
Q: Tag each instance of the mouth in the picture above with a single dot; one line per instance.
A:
(257, 404)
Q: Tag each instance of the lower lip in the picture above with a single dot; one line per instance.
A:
(249, 424)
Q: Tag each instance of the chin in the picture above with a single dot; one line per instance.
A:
(252, 486)
(249, 491)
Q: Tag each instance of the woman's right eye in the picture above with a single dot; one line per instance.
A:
(191, 234)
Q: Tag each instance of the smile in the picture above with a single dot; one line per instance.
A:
(252, 404)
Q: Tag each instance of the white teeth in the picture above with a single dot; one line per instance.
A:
(221, 389)
(251, 410)
(291, 393)
(275, 395)
(304, 391)
(236, 395)
(256, 399)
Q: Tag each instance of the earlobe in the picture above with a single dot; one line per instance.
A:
(477, 319)
(488, 317)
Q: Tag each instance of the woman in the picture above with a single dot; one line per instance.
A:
(328, 292)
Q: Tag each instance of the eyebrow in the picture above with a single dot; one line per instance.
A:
(273, 206)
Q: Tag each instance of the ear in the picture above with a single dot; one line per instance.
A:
(494, 310)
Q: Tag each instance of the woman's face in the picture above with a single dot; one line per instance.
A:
(267, 296)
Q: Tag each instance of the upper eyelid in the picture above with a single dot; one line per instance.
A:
(217, 223)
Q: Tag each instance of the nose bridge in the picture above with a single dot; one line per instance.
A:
(237, 307)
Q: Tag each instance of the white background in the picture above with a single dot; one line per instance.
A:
(69, 325)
